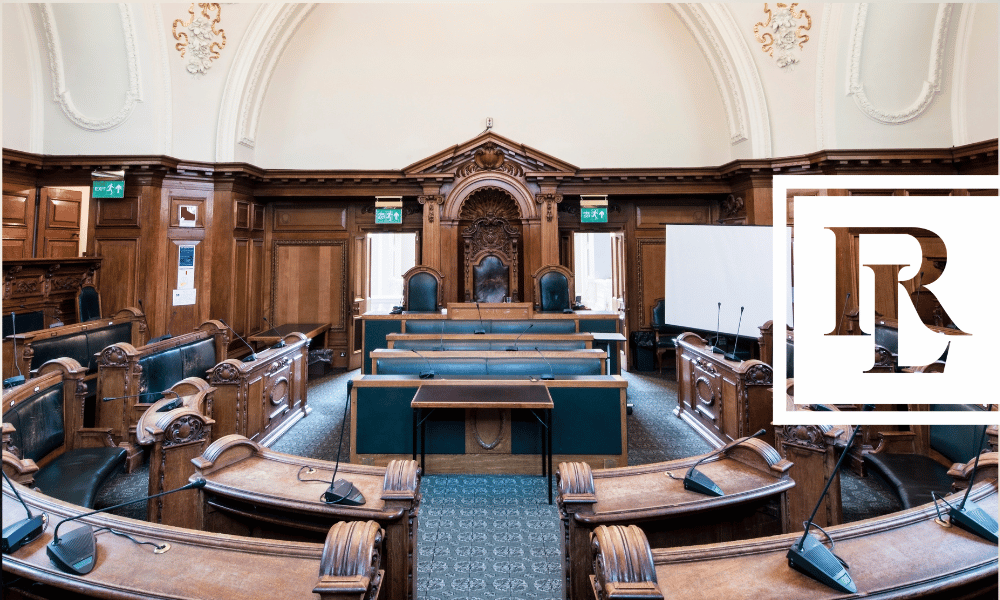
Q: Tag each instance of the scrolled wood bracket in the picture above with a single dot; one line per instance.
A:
(623, 564)
(351, 561)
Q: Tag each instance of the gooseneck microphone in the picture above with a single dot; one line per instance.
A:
(809, 555)
(342, 491)
(975, 520)
(76, 551)
(24, 531)
(482, 328)
(696, 481)
(549, 375)
(514, 347)
(843, 312)
(715, 344)
(732, 355)
(250, 357)
(19, 378)
(173, 404)
(280, 343)
(429, 373)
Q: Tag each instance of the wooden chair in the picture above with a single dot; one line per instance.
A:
(552, 288)
(88, 304)
(422, 289)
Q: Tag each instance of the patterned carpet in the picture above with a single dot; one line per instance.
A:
(491, 537)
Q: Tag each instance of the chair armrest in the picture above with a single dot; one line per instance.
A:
(896, 442)
(19, 470)
(94, 437)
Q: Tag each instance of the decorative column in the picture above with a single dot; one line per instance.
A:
(431, 248)
(548, 215)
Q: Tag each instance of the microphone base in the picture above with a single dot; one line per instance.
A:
(250, 358)
(479, 332)
(696, 481)
(344, 493)
(13, 381)
(976, 521)
(815, 560)
(75, 552)
(546, 376)
(718, 350)
(426, 375)
(17, 534)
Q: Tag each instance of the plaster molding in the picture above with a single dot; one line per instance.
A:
(728, 55)
(62, 95)
(826, 71)
(931, 86)
(960, 69)
(268, 35)
(36, 124)
(160, 47)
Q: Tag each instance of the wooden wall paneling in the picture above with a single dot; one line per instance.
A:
(531, 258)
(650, 253)
(655, 216)
(255, 285)
(118, 278)
(59, 222)
(18, 220)
(243, 321)
(309, 284)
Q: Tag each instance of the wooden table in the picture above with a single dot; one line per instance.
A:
(276, 334)
(485, 395)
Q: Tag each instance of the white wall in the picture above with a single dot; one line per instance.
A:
(19, 80)
(595, 85)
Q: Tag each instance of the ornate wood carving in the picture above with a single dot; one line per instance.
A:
(490, 157)
(490, 235)
(489, 202)
(430, 202)
(548, 200)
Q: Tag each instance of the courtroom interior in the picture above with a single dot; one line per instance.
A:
(451, 301)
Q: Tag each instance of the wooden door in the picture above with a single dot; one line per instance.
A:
(59, 223)
(360, 248)
(618, 287)
(18, 221)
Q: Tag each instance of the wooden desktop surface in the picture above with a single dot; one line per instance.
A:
(488, 395)
(276, 334)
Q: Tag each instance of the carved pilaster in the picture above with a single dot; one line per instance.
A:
(549, 225)
(431, 254)
(549, 201)
(429, 202)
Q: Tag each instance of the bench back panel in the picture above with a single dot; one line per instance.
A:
(38, 423)
(82, 347)
(474, 366)
(957, 443)
(162, 370)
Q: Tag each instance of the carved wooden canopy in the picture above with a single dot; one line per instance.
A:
(491, 247)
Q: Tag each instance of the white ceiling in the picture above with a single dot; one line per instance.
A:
(368, 86)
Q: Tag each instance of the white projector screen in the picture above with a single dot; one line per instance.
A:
(708, 264)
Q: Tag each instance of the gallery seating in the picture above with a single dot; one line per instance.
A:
(904, 555)
(754, 478)
(45, 443)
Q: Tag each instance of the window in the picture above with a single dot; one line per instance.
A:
(389, 256)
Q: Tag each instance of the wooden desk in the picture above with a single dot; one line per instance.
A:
(276, 334)
(905, 555)
(204, 565)
(491, 310)
(611, 344)
(486, 395)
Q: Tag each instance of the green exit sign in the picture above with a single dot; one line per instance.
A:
(108, 189)
(594, 215)
(388, 216)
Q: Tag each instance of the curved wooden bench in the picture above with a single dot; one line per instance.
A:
(905, 555)
(752, 474)
(346, 565)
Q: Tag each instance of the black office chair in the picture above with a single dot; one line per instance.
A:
(422, 290)
(88, 304)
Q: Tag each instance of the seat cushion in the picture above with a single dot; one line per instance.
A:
(914, 476)
(78, 475)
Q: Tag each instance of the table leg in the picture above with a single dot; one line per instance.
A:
(423, 441)
(414, 417)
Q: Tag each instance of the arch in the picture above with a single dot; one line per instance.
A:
(266, 38)
(524, 198)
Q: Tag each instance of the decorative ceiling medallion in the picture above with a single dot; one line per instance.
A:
(199, 42)
(490, 157)
(784, 22)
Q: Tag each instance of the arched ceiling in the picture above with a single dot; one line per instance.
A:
(371, 86)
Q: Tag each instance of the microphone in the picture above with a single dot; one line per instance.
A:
(844, 312)
(19, 378)
(696, 481)
(250, 357)
(24, 531)
(429, 373)
(280, 343)
(441, 342)
(975, 520)
(173, 404)
(549, 375)
(715, 345)
(809, 555)
(76, 551)
(530, 325)
(732, 355)
(342, 491)
(482, 328)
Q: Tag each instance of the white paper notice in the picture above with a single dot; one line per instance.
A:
(184, 297)
(185, 278)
